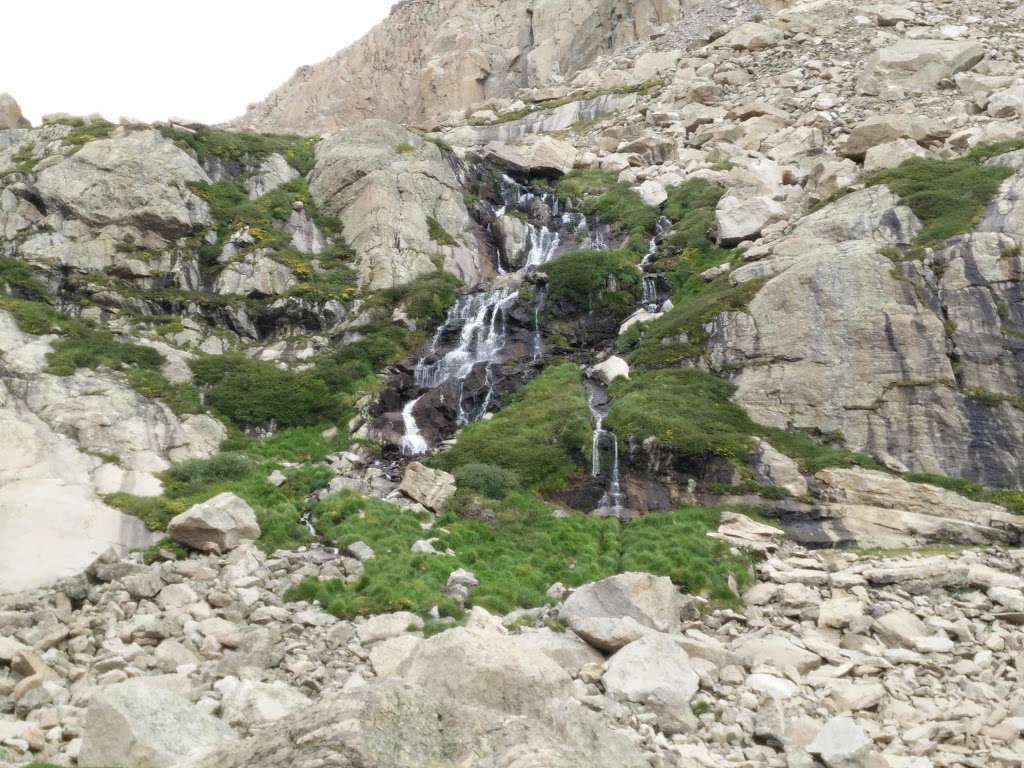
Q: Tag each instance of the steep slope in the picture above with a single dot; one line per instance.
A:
(431, 57)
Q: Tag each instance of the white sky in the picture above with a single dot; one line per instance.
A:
(203, 60)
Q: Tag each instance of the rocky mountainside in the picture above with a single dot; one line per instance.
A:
(657, 362)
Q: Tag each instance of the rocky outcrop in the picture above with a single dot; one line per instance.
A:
(400, 202)
(10, 113)
(431, 57)
(256, 275)
(138, 179)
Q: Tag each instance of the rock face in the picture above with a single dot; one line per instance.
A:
(141, 724)
(139, 179)
(217, 525)
(430, 58)
(400, 202)
(10, 113)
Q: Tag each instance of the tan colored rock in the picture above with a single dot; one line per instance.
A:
(431, 58)
(430, 487)
(751, 36)
(775, 468)
(885, 129)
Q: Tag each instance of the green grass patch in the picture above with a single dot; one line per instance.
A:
(83, 132)
(516, 558)
(254, 393)
(948, 196)
(88, 347)
(33, 316)
(180, 398)
(595, 280)
(237, 146)
(1013, 500)
(426, 299)
(20, 279)
(439, 234)
(542, 434)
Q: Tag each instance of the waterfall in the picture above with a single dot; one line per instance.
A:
(481, 319)
(538, 303)
(413, 443)
(649, 291)
(614, 499)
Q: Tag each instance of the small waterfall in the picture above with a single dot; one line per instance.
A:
(613, 500)
(538, 303)
(413, 443)
(543, 243)
(649, 293)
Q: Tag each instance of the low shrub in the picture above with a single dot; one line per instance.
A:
(487, 480)
(595, 280)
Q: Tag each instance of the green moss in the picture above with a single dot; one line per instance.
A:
(405, 148)
(439, 234)
(595, 280)
(180, 398)
(83, 132)
(516, 558)
(20, 279)
(948, 196)
(542, 434)
(24, 160)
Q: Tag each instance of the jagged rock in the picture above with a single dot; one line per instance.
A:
(914, 66)
(430, 487)
(273, 172)
(533, 155)
(652, 601)
(219, 525)
(140, 724)
(400, 209)
(256, 276)
(10, 113)
(139, 179)
(440, 58)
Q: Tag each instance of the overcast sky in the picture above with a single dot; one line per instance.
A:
(202, 60)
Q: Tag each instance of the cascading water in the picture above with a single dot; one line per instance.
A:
(614, 500)
(649, 294)
(481, 319)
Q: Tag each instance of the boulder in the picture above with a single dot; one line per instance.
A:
(388, 656)
(610, 370)
(564, 648)
(653, 193)
(877, 130)
(430, 487)
(740, 531)
(395, 725)
(10, 113)
(891, 154)
(217, 525)
(652, 668)
(839, 611)
(139, 724)
(533, 155)
(901, 627)
(750, 36)
(777, 651)
(652, 601)
(841, 743)
(388, 625)
(741, 216)
(916, 66)
(139, 179)
(250, 703)
(484, 669)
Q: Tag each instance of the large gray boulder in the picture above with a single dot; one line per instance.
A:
(395, 725)
(144, 725)
(652, 601)
(399, 201)
(655, 671)
(10, 113)
(250, 703)
(916, 66)
(139, 179)
(217, 525)
(533, 155)
(430, 487)
(484, 669)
